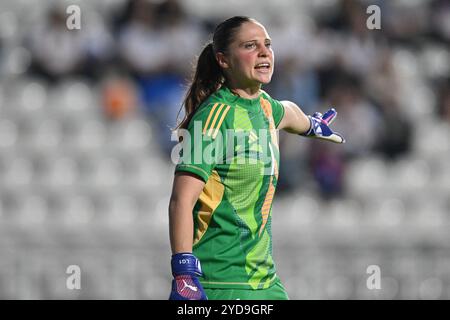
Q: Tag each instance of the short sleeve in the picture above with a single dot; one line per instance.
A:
(277, 112)
(203, 143)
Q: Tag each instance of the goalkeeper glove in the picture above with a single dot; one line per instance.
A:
(320, 127)
(185, 285)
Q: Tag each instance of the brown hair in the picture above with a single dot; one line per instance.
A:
(208, 76)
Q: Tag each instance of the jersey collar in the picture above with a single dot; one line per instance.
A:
(251, 104)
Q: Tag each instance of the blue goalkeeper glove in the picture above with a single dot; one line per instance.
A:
(320, 127)
(185, 285)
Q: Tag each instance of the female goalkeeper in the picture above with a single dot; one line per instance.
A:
(220, 208)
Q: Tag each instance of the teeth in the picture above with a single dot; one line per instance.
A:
(262, 65)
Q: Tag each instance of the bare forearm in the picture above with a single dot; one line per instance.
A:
(294, 120)
(181, 227)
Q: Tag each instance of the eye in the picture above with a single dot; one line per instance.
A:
(250, 45)
(268, 44)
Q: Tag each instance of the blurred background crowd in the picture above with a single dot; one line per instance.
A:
(85, 144)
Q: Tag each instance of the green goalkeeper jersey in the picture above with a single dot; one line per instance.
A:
(232, 144)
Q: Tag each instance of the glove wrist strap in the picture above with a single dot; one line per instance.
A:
(310, 131)
(186, 264)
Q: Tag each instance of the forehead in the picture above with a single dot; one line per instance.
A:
(251, 31)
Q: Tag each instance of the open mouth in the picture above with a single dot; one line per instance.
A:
(263, 66)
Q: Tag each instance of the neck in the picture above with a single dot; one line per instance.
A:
(245, 92)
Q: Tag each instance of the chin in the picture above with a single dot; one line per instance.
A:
(265, 80)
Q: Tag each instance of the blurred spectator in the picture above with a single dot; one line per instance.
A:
(328, 168)
(440, 20)
(383, 84)
(405, 24)
(119, 98)
(395, 135)
(141, 45)
(357, 50)
(297, 82)
(359, 120)
(294, 169)
(382, 88)
(158, 44)
(58, 52)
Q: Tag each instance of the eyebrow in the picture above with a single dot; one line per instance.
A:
(254, 40)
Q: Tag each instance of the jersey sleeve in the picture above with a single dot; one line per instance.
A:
(204, 141)
(277, 112)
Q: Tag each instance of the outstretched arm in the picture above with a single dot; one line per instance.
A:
(294, 120)
(315, 126)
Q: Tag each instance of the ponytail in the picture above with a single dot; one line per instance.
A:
(207, 79)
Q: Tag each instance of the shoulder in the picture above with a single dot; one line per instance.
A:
(212, 116)
(272, 108)
(266, 96)
(267, 102)
(211, 110)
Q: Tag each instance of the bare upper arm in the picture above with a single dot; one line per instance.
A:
(187, 187)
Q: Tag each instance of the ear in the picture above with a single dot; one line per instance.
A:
(222, 60)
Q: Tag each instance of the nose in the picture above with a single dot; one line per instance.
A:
(264, 51)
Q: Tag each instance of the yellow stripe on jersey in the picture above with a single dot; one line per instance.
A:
(214, 120)
(267, 108)
(220, 121)
(265, 209)
(210, 199)
(209, 117)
